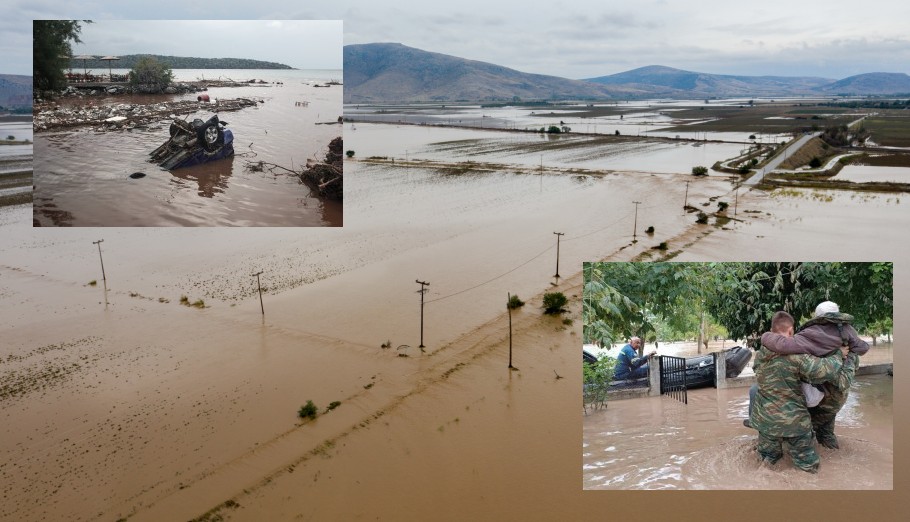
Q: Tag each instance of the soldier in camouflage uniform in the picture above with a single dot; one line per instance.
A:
(779, 413)
(823, 335)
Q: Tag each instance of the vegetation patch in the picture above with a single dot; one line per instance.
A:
(308, 410)
(553, 302)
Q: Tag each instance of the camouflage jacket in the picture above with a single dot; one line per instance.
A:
(780, 406)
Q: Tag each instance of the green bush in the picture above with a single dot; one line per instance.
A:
(332, 406)
(815, 163)
(702, 218)
(151, 74)
(553, 130)
(649, 230)
(515, 302)
(350, 153)
(553, 302)
(722, 205)
(308, 411)
(597, 377)
(699, 171)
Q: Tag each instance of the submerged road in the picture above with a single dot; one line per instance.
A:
(793, 147)
(774, 163)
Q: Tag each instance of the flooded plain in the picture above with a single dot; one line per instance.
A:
(82, 175)
(123, 402)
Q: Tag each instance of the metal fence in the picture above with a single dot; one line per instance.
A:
(673, 377)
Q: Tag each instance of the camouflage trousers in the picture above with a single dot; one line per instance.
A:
(801, 449)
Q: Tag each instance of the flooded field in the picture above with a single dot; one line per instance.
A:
(531, 150)
(121, 402)
(82, 175)
(661, 443)
(862, 174)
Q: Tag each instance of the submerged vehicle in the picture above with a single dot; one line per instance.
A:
(194, 143)
(700, 370)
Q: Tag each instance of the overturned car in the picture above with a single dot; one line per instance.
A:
(194, 143)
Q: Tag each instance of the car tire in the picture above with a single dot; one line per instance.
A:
(211, 137)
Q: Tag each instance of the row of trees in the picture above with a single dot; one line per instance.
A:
(129, 61)
(52, 43)
(671, 301)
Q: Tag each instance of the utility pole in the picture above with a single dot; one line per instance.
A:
(261, 306)
(635, 225)
(558, 235)
(422, 291)
(103, 277)
(509, 307)
(736, 201)
(686, 198)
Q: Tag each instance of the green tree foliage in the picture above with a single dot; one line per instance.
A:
(128, 61)
(553, 129)
(151, 74)
(597, 377)
(676, 300)
(699, 171)
(51, 48)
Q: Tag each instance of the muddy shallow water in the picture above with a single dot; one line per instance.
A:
(81, 175)
(661, 443)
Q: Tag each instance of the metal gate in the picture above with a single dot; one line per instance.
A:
(673, 377)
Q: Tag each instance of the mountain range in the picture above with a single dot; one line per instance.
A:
(392, 72)
(15, 91)
(128, 61)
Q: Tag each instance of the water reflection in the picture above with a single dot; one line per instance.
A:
(210, 178)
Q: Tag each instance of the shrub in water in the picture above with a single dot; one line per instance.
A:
(515, 302)
(702, 218)
(553, 302)
(699, 171)
(308, 411)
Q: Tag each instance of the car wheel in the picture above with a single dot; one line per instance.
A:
(211, 136)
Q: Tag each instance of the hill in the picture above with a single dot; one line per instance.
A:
(696, 84)
(179, 62)
(15, 91)
(875, 84)
(390, 72)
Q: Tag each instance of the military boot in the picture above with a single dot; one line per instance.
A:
(824, 433)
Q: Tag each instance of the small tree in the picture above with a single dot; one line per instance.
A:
(350, 153)
(515, 302)
(722, 206)
(815, 163)
(553, 130)
(553, 302)
(699, 171)
(702, 218)
(597, 377)
(151, 75)
(308, 411)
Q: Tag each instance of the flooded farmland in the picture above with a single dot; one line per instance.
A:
(82, 174)
(125, 403)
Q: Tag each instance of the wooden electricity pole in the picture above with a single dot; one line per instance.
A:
(103, 277)
(422, 291)
(261, 306)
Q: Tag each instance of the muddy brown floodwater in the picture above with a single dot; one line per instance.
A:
(661, 443)
(82, 174)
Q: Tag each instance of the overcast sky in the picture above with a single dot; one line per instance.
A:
(569, 38)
